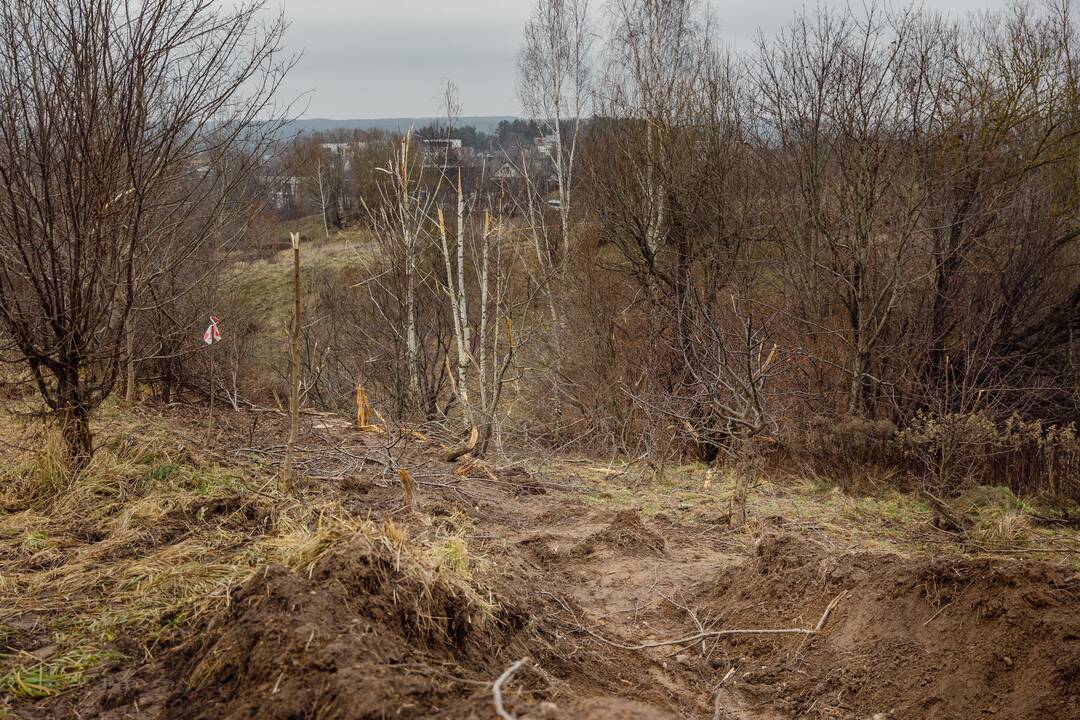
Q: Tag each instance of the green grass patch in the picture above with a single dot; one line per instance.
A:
(39, 679)
(36, 541)
(162, 472)
(456, 555)
(214, 481)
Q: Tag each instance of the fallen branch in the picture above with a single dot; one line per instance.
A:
(945, 518)
(689, 639)
(496, 689)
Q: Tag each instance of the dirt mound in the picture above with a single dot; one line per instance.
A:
(362, 632)
(367, 633)
(956, 638)
(626, 534)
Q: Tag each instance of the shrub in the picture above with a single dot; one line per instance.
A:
(957, 451)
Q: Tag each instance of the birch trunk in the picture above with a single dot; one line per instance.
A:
(322, 197)
(465, 341)
(458, 313)
(412, 344)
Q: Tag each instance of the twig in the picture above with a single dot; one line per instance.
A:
(713, 633)
(691, 613)
(496, 689)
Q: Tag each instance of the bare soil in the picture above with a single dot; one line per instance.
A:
(365, 631)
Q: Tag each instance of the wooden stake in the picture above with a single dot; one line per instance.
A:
(210, 422)
(294, 369)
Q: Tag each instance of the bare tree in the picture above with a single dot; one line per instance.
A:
(322, 192)
(554, 85)
(833, 97)
(672, 177)
(908, 154)
(649, 137)
(112, 117)
(998, 204)
(483, 357)
(725, 390)
(322, 170)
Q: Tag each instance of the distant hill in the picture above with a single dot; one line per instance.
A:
(486, 123)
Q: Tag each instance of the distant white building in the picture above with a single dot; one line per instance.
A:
(343, 151)
(507, 170)
(443, 153)
(443, 144)
(547, 144)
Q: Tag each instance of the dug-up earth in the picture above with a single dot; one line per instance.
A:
(177, 580)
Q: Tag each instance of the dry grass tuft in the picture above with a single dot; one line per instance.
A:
(119, 560)
(1006, 529)
(154, 536)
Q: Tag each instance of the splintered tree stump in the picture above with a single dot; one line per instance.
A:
(460, 451)
(409, 486)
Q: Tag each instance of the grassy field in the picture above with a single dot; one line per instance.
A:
(886, 519)
(264, 284)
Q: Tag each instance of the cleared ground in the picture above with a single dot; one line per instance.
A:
(176, 581)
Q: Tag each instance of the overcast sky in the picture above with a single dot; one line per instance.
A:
(390, 58)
